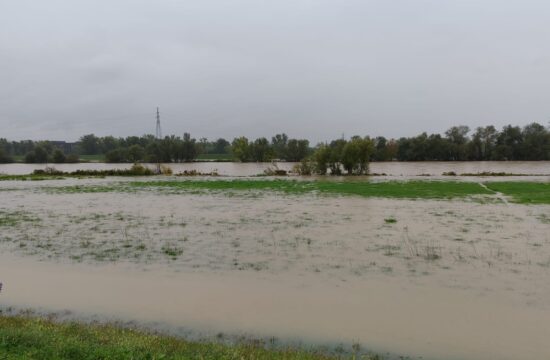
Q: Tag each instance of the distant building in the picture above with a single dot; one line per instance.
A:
(66, 147)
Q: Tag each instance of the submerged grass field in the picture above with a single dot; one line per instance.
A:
(389, 189)
(523, 192)
(36, 338)
(518, 192)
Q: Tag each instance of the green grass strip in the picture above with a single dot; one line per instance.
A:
(523, 192)
(35, 338)
(388, 189)
(92, 158)
(224, 157)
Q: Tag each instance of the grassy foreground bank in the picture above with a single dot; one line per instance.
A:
(36, 338)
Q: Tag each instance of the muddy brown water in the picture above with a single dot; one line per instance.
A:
(447, 280)
(405, 169)
(387, 314)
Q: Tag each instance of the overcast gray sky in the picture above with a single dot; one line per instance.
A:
(310, 68)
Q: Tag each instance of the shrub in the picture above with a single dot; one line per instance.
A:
(305, 167)
(165, 170)
(58, 156)
(72, 158)
(139, 170)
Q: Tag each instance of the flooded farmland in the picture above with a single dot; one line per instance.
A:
(464, 278)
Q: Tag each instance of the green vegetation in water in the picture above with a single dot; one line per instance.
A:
(13, 218)
(172, 251)
(35, 338)
(388, 189)
(523, 192)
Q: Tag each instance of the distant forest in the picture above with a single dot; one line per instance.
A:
(531, 142)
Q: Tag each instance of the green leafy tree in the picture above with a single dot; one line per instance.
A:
(89, 144)
(509, 144)
(241, 149)
(30, 157)
(221, 146)
(350, 157)
(297, 150)
(153, 153)
(261, 150)
(279, 145)
(536, 142)
(335, 158)
(107, 144)
(5, 158)
(356, 154)
(321, 158)
(40, 154)
(119, 155)
(458, 137)
(136, 153)
(190, 150)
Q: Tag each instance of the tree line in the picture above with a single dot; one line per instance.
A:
(532, 142)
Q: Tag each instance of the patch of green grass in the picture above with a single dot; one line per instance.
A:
(92, 158)
(523, 192)
(214, 157)
(34, 338)
(388, 189)
(18, 158)
(390, 221)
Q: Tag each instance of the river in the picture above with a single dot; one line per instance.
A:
(395, 169)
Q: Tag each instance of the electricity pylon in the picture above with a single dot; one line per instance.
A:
(158, 136)
(159, 132)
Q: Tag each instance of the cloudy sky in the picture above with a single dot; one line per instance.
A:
(310, 68)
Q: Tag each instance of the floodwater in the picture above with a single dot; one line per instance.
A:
(386, 314)
(442, 280)
(405, 169)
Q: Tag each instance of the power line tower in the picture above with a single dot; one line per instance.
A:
(158, 134)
